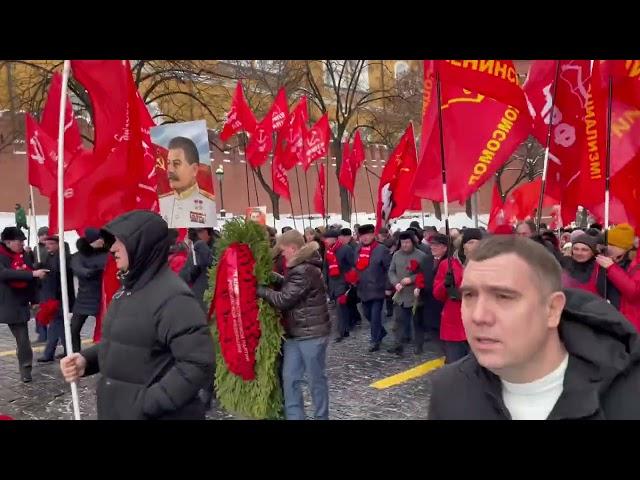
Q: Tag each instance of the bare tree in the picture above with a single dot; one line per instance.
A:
(526, 163)
(342, 89)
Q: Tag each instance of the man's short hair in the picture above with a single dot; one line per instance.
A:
(291, 237)
(530, 223)
(188, 147)
(539, 259)
(286, 229)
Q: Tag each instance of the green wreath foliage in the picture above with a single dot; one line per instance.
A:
(260, 398)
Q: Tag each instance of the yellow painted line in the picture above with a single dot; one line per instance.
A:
(9, 353)
(410, 374)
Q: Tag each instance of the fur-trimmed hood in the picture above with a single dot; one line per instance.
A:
(308, 253)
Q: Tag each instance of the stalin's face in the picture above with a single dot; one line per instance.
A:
(182, 175)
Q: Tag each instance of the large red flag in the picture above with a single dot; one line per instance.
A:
(357, 153)
(295, 133)
(520, 204)
(567, 120)
(261, 143)
(318, 197)
(496, 79)
(239, 117)
(480, 134)
(279, 111)
(394, 190)
(42, 154)
(51, 113)
(279, 180)
(346, 177)
(316, 142)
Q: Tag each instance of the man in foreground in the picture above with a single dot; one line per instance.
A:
(537, 352)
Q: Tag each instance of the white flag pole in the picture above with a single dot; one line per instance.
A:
(34, 223)
(63, 251)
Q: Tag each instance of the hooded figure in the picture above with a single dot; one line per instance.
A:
(156, 352)
(88, 265)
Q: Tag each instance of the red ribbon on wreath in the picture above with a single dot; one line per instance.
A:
(236, 308)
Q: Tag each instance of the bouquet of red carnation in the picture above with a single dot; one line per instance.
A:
(47, 312)
(420, 284)
(342, 299)
(352, 277)
(413, 266)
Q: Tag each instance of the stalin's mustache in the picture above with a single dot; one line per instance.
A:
(173, 177)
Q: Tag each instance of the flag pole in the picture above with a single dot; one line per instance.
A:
(32, 218)
(607, 169)
(353, 197)
(326, 186)
(293, 215)
(445, 198)
(474, 205)
(295, 167)
(306, 185)
(543, 187)
(373, 205)
(62, 251)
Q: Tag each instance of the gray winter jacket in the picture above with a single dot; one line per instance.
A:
(399, 269)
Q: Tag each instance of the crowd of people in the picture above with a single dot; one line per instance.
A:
(490, 303)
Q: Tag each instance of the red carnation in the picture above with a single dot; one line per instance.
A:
(342, 299)
(414, 266)
(351, 277)
(420, 280)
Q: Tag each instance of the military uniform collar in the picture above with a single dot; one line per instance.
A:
(187, 193)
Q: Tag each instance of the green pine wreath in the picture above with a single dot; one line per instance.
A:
(260, 398)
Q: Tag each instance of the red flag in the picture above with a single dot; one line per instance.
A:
(108, 181)
(279, 179)
(239, 117)
(480, 134)
(316, 142)
(261, 143)
(519, 205)
(42, 154)
(51, 114)
(346, 178)
(318, 197)
(567, 120)
(295, 134)
(497, 79)
(279, 111)
(626, 79)
(394, 192)
(357, 153)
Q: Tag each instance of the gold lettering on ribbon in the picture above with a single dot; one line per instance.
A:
(595, 168)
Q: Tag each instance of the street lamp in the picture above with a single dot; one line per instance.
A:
(220, 176)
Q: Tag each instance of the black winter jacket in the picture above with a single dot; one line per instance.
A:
(373, 280)
(14, 302)
(156, 351)
(88, 265)
(197, 275)
(602, 380)
(51, 285)
(302, 298)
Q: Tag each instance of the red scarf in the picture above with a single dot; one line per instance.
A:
(365, 256)
(332, 260)
(17, 263)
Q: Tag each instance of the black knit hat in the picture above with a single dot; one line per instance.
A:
(332, 233)
(408, 235)
(43, 231)
(439, 239)
(368, 228)
(12, 233)
(588, 240)
(471, 234)
(346, 232)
